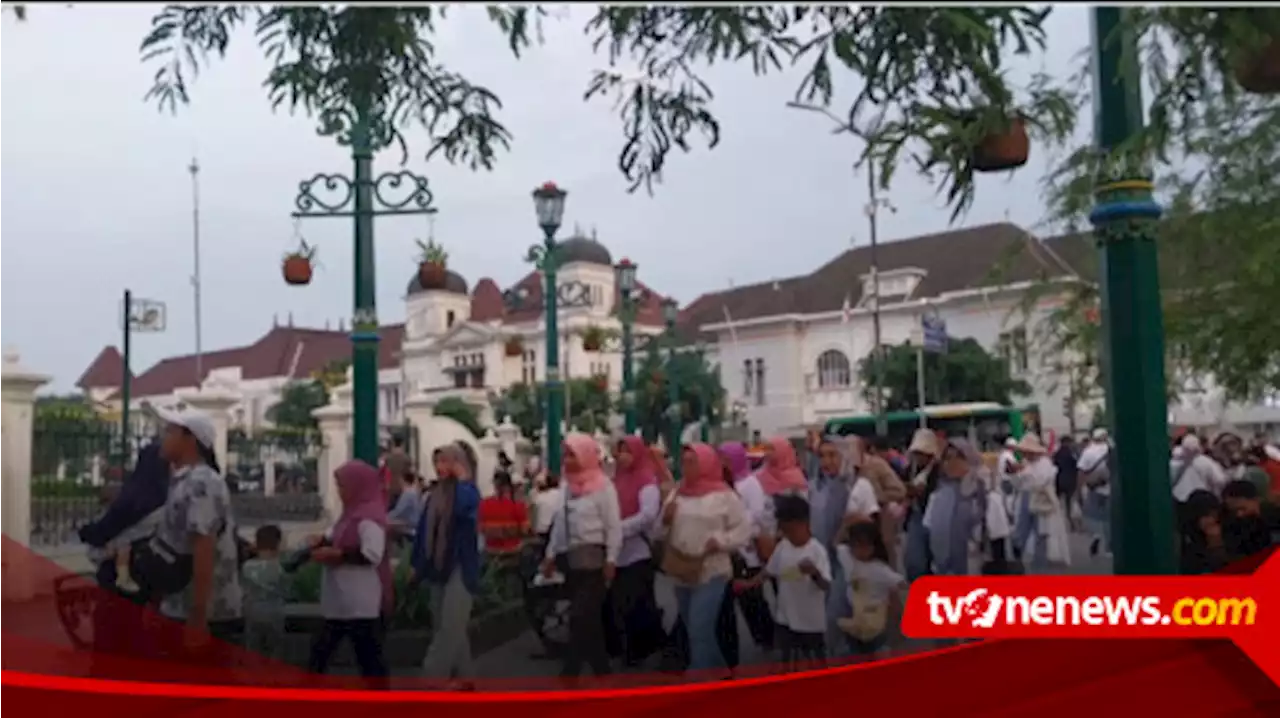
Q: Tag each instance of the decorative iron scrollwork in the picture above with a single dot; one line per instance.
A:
(334, 195)
(569, 295)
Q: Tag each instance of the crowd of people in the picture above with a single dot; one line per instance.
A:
(814, 544)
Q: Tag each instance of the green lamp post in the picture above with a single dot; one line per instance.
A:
(625, 271)
(670, 311)
(704, 406)
(1124, 219)
(548, 205)
(361, 197)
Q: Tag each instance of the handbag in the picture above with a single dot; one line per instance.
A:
(870, 617)
(587, 557)
(159, 569)
(1042, 503)
(681, 566)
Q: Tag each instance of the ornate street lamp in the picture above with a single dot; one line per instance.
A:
(670, 312)
(548, 205)
(362, 197)
(625, 271)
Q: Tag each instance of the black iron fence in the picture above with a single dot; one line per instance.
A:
(78, 460)
(288, 458)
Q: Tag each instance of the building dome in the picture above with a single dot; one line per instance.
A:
(583, 249)
(454, 284)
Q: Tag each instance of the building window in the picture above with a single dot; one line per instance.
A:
(833, 370)
(748, 378)
(529, 367)
(759, 382)
(448, 319)
(1012, 347)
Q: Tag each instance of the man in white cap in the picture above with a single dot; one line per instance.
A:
(197, 522)
(1007, 467)
(1095, 474)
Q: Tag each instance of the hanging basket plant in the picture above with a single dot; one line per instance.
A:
(299, 265)
(593, 339)
(432, 265)
(1258, 71)
(1005, 149)
(981, 132)
(514, 347)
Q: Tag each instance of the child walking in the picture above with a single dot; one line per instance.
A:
(355, 592)
(802, 569)
(872, 586)
(265, 589)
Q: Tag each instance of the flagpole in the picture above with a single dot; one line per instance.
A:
(194, 169)
(873, 209)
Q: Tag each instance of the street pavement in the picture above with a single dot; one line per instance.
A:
(518, 658)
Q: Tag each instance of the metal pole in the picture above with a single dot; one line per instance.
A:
(194, 169)
(364, 324)
(126, 379)
(1124, 217)
(628, 368)
(674, 415)
(924, 424)
(878, 373)
(555, 388)
(704, 433)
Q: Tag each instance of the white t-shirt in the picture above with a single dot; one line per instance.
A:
(1203, 473)
(756, 504)
(351, 591)
(862, 499)
(874, 578)
(546, 504)
(1004, 464)
(801, 602)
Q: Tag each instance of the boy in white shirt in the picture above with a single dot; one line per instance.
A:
(802, 568)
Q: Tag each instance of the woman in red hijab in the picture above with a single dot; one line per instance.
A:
(635, 630)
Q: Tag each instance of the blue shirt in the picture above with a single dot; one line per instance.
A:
(463, 551)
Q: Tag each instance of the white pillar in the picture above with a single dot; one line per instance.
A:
(19, 386)
(269, 473)
(335, 428)
(487, 461)
(216, 404)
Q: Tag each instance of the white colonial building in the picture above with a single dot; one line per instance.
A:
(788, 349)
(462, 342)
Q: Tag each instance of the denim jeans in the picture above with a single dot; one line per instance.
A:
(699, 611)
(1027, 527)
(837, 607)
(1097, 512)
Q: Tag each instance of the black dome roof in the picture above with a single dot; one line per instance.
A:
(583, 249)
(454, 283)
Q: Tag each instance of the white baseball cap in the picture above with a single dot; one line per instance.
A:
(1100, 434)
(196, 422)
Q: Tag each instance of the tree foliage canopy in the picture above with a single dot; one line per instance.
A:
(460, 411)
(931, 81)
(1214, 152)
(298, 400)
(698, 388)
(589, 404)
(965, 372)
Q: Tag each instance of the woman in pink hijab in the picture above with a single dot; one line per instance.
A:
(586, 538)
(635, 629)
(705, 522)
(355, 591)
(781, 472)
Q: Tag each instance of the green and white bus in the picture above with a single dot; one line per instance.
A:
(985, 424)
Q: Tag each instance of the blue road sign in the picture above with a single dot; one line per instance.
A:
(934, 329)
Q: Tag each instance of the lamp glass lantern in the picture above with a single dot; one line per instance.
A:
(548, 204)
(670, 311)
(626, 272)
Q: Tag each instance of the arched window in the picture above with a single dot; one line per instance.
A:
(833, 370)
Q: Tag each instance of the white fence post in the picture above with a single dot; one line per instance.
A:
(19, 394)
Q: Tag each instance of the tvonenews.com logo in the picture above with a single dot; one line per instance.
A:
(984, 609)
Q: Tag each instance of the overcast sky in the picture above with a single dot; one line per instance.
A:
(97, 197)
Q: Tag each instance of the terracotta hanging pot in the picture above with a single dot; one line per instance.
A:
(1259, 71)
(297, 270)
(432, 275)
(514, 347)
(1000, 151)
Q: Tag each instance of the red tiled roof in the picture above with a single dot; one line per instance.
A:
(958, 259)
(284, 351)
(486, 301)
(105, 371)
